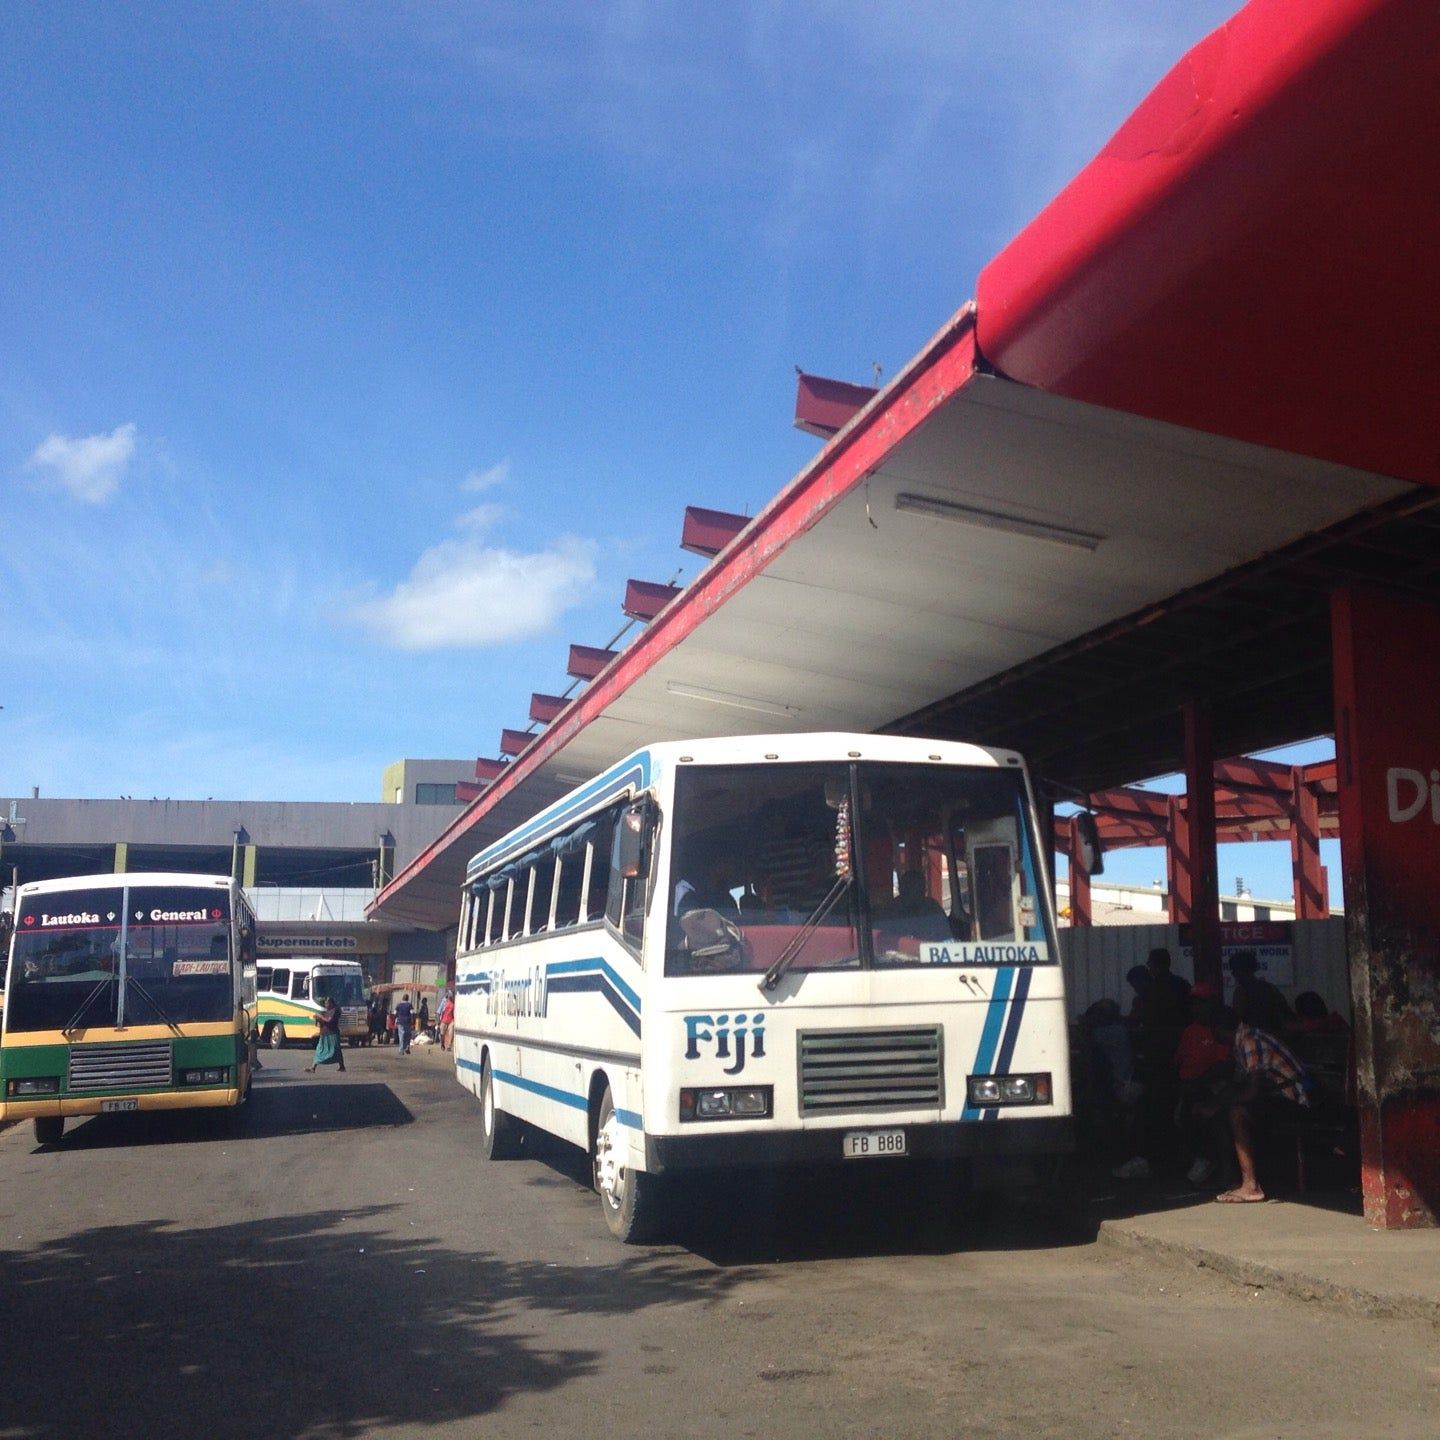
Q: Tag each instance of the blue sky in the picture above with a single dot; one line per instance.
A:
(354, 355)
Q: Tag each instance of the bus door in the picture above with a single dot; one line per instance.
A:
(999, 904)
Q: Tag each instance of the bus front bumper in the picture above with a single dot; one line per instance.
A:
(192, 1099)
(1044, 1136)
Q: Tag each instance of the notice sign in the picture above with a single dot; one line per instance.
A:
(1272, 942)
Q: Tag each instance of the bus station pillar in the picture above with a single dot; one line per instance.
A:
(1081, 906)
(1200, 838)
(1387, 748)
(1312, 895)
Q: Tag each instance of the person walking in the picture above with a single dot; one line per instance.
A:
(447, 1021)
(424, 1014)
(404, 1020)
(327, 1045)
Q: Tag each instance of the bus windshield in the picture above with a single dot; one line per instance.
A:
(346, 988)
(67, 959)
(819, 866)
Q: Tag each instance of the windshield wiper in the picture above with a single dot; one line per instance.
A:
(798, 941)
(74, 1021)
(153, 1002)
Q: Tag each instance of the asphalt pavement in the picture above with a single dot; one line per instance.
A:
(343, 1262)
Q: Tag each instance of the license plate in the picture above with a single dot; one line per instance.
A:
(110, 1106)
(872, 1144)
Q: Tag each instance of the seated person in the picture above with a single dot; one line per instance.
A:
(1204, 1060)
(1267, 1079)
(912, 914)
(706, 889)
(1267, 1007)
(1314, 1017)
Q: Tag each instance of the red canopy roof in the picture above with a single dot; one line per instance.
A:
(1254, 253)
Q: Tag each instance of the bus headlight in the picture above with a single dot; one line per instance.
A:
(738, 1102)
(204, 1077)
(34, 1085)
(988, 1091)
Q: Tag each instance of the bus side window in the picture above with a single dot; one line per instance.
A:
(600, 848)
(262, 977)
(467, 920)
(280, 984)
(625, 903)
(567, 896)
(300, 987)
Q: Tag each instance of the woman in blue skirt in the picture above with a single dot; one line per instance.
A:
(327, 1047)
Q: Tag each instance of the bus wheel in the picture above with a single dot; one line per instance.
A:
(49, 1129)
(499, 1131)
(629, 1198)
(275, 1036)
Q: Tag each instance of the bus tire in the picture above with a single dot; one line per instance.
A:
(49, 1129)
(275, 1035)
(500, 1133)
(629, 1199)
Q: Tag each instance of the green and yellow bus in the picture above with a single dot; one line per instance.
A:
(127, 992)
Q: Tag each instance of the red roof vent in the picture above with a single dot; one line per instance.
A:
(512, 742)
(644, 600)
(824, 406)
(586, 662)
(708, 532)
(544, 708)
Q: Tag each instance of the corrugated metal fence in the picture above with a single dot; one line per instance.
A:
(1096, 958)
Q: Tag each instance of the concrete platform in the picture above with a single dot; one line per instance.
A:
(1320, 1250)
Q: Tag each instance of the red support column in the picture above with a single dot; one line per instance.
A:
(1387, 749)
(1312, 895)
(1200, 828)
(1180, 899)
(1081, 909)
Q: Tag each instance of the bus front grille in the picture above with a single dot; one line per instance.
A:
(142, 1066)
(844, 1070)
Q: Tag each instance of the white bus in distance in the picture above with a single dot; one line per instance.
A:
(768, 950)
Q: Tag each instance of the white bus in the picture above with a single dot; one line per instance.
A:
(290, 993)
(778, 949)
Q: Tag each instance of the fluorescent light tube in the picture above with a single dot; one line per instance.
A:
(736, 702)
(997, 520)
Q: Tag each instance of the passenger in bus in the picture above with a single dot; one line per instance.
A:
(708, 889)
(913, 913)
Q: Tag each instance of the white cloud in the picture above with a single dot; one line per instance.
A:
(482, 517)
(497, 474)
(464, 594)
(90, 467)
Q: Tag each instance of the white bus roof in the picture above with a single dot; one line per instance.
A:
(635, 773)
(116, 882)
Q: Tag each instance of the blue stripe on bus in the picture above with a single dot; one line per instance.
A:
(1012, 1031)
(629, 1118)
(990, 1034)
(578, 984)
(575, 967)
(592, 974)
(633, 772)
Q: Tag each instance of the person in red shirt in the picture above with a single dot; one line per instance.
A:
(447, 1021)
(1204, 1057)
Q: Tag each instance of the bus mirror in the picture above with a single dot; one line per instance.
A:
(1087, 852)
(634, 834)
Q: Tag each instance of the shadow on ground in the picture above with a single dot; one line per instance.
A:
(319, 1325)
(867, 1208)
(286, 1105)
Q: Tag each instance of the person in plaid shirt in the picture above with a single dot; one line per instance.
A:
(1267, 1078)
